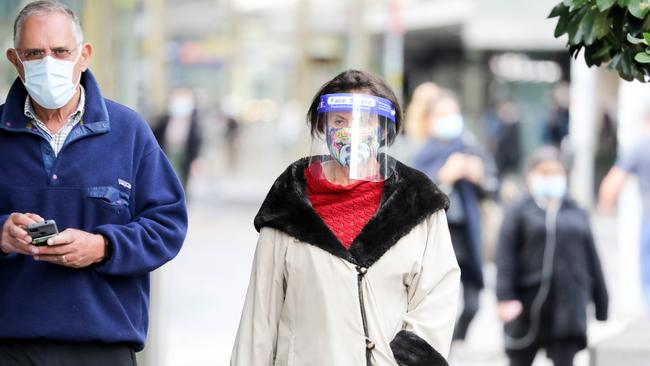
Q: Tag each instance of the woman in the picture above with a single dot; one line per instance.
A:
(548, 269)
(354, 264)
(451, 158)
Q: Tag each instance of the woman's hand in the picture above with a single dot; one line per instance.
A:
(474, 169)
(462, 166)
(453, 169)
(509, 310)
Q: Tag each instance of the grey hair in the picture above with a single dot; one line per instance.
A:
(43, 7)
(545, 153)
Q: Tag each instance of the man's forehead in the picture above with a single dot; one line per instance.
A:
(50, 29)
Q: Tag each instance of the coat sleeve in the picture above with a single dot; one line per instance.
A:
(256, 339)
(599, 287)
(506, 255)
(159, 224)
(432, 302)
(5, 256)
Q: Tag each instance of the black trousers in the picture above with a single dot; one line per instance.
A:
(471, 291)
(53, 353)
(471, 294)
(560, 352)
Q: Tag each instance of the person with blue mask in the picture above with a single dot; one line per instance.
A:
(451, 158)
(548, 269)
(92, 166)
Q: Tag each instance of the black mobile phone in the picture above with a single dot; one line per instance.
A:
(41, 231)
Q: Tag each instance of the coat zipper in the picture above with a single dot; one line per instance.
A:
(370, 345)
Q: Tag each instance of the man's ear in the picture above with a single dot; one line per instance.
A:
(86, 52)
(12, 56)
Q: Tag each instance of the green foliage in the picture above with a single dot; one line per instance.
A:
(613, 32)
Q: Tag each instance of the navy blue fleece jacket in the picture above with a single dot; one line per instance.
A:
(110, 178)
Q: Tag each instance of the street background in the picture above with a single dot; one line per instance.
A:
(259, 62)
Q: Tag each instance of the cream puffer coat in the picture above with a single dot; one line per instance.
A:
(391, 299)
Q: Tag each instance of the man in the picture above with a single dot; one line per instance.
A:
(637, 162)
(94, 167)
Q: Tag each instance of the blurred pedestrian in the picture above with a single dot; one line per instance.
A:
(232, 141)
(179, 133)
(507, 154)
(93, 166)
(408, 143)
(417, 110)
(556, 127)
(354, 264)
(548, 268)
(636, 161)
(452, 158)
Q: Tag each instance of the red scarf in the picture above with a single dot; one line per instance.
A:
(344, 209)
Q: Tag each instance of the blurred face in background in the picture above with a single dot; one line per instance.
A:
(181, 103)
(547, 180)
(445, 120)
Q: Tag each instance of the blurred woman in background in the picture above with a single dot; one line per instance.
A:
(451, 158)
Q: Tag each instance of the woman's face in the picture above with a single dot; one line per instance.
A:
(444, 108)
(347, 119)
(445, 121)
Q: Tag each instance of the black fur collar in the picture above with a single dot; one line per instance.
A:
(408, 198)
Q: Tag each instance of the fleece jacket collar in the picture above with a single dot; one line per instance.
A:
(95, 117)
(408, 198)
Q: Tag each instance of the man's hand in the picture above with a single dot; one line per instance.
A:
(15, 238)
(72, 248)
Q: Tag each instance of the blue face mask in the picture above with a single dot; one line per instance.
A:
(552, 187)
(448, 128)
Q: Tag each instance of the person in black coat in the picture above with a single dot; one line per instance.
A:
(548, 269)
(179, 133)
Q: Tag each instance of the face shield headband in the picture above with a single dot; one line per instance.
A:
(357, 128)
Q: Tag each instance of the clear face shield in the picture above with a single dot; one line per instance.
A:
(353, 143)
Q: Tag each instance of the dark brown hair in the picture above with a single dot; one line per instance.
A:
(351, 81)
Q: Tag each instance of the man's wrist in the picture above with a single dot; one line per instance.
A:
(107, 249)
